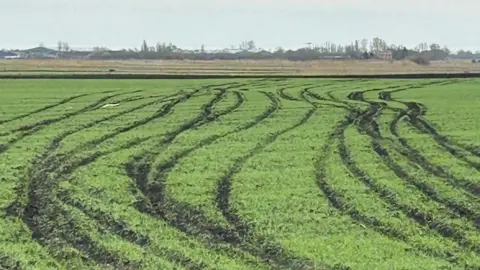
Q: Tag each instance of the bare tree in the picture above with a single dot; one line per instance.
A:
(434, 47)
(65, 46)
(422, 47)
(60, 46)
(144, 47)
(364, 45)
(248, 45)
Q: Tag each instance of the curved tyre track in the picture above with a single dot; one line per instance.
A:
(7, 262)
(99, 255)
(120, 228)
(50, 106)
(150, 180)
(416, 157)
(30, 129)
(193, 221)
(159, 113)
(364, 120)
(414, 112)
(48, 220)
(241, 227)
(338, 201)
(368, 125)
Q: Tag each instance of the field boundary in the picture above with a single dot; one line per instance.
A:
(217, 76)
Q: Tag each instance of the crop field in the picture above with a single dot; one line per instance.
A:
(240, 174)
(232, 67)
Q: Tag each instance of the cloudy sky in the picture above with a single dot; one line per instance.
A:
(222, 23)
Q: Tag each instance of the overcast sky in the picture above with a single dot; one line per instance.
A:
(222, 23)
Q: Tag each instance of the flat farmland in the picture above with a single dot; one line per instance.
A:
(240, 174)
(233, 67)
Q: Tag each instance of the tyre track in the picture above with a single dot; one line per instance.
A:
(287, 96)
(368, 125)
(182, 216)
(337, 201)
(30, 129)
(9, 263)
(189, 219)
(269, 248)
(413, 115)
(416, 157)
(21, 189)
(74, 165)
(120, 228)
(158, 114)
(41, 210)
(282, 94)
(50, 106)
(414, 112)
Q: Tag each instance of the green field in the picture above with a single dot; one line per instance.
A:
(240, 174)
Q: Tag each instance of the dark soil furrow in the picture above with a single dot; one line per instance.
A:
(269, 250)
(240, 101)
(446, 143)
(363, 119)
(61, 102)
(339, 203)
(159, 113)
(184, 217)
(414, 113)
(91, 106)
(31, 129)
(320, 98)
(7, 262)
(422, 218)
(334, 197)
(206, 116)
(416, 157)
(190, 219)
(69, 166)
(366, 124)
(281, 92)
(419, 216)
(120, 228)
(40, 212)
(55, 228)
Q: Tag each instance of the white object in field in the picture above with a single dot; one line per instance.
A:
(109, 105)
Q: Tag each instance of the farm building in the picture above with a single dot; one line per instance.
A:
(40, 53)
(385, 55)
(8, 55)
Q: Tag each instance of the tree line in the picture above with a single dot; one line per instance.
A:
(358, 49)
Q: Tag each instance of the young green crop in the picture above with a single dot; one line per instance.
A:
(239, 174)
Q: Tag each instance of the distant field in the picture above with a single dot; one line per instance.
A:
(240, 174)
(243, 67)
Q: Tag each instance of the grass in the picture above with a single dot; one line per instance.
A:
(240, 174)
(232, 67)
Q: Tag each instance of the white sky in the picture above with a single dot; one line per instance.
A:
(219, 24)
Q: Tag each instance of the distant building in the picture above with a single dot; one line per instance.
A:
(40, 53)
(385, 55)
(8, 55)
